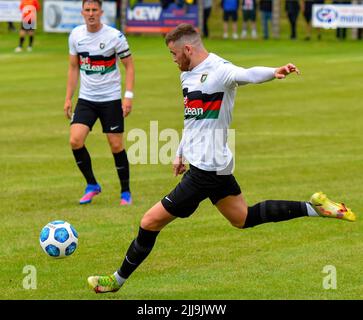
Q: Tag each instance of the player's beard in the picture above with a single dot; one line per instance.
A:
(184, 63)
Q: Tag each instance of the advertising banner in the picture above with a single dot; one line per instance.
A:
(337, 16)
(63, 16)
(152, 18)
(9, 11)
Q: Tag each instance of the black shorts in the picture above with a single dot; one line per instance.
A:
(308, 9)
(195, 186)
(233, 15)
(249, 15)
(109, 113)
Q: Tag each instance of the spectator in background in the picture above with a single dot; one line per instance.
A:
(341, 32)
(308, 14)
(292, 8)
(360, 30)
(266, 16)
(249, 18)
(28, 23)
(166, 3)
(207, 8)
(230, 12)
(11, 26)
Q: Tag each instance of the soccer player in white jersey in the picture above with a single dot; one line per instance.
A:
(94, 50)
(209, 85)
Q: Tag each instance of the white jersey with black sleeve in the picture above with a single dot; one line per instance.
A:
(209, 92)
(98, 54)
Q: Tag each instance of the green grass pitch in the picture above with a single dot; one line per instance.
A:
(293, 137)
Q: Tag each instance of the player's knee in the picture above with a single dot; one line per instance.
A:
(238, 219)
(153, 222)
(76, 143)
(237, 224)
(116, 148)
(116, 145)
(148, 222)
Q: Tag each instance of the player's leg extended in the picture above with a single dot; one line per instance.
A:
(181, 202)
(235, 209)
(115, 141)
(153, 221)
(78, 135)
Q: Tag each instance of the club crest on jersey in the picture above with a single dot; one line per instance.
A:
(102, 45)
(203, 77)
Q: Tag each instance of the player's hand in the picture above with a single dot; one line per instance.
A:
(178, 166)
(68, 108)
(126, 106)
(283, 71)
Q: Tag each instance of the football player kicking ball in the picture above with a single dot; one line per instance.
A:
(209, 85)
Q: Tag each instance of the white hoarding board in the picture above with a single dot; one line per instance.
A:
(10, 11)
(63, 16)
(337, 16)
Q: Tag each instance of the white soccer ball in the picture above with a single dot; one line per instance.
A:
(58, 239)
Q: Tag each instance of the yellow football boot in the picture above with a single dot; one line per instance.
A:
(327, 208)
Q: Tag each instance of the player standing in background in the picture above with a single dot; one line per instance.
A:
(249, 16)
(230, 12)
(209, 86)
(308, 14)
(29, 9)
(266, 16)
(94, 50)
(292, 8)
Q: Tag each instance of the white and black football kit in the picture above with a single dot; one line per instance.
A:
(209, 92)
(100, 84)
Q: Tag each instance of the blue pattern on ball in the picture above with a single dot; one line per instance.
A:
(74, 231)
(53, 251)
(61, 235)
(57, 222)
(71, 248)
(44, 234)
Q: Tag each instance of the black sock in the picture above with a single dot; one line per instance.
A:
(21, 41)
(274, 211)
(137, 252)
(30, 41)
(123, 171)
(83, 161)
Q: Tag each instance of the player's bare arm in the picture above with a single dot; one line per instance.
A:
(285, 70)
(178, 166)
(73, 74)
(129, 85)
